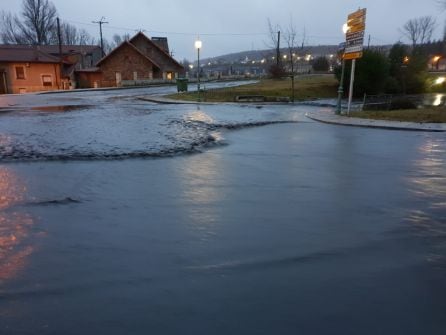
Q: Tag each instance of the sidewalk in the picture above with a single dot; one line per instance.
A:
(328, 116)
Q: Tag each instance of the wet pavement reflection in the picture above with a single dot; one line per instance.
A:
(16, 240)
(428, 183)
(123, 217)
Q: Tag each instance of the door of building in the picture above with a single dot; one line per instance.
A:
(3, 84)
(118, 79)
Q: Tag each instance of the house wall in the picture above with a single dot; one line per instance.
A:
(33, 81)
(126, 61)
(159, 57)
(89, 79)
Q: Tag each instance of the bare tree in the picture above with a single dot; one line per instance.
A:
(419, 30)
(273, 38)
(291, 42)
(117, 40)
(73, 36)
(39, 20)
(10, 32)
(36, 26)
(69, 34)
(84, 38)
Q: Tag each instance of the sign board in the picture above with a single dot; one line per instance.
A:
(355, 35)
(353, 55)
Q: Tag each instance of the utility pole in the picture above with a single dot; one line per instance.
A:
(59, 38)
(278, 49)
(368, 44)
(101, 22)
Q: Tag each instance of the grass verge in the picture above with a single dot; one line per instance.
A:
(423, 115)
(306, 88)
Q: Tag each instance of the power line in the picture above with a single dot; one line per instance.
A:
(201, 33)
(168, 32)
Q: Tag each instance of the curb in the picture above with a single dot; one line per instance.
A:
(367, 123)
(161, 100)
(103, 89)
(165, 101)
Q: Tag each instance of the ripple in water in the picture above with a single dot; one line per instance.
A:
(429, 184)
(113, 132)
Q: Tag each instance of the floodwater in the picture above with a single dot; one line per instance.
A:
(126, 217)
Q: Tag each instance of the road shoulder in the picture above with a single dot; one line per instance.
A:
(328, 116)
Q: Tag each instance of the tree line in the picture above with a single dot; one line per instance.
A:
(36, 24)
(403, 69)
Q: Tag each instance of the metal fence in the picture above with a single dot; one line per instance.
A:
(389, 102)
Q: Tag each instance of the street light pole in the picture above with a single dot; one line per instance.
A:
(198, 45)
(341, 88)
(345, 29)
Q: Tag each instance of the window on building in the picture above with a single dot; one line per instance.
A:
(47, 80)
(20, 72)
(169, 75)
(135, 75)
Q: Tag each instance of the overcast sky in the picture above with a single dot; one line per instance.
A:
(227, 26)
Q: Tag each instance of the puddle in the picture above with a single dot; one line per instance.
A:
(65, 108)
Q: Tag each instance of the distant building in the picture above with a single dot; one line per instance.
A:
(138, 60)
(26, 68)
(81, 56)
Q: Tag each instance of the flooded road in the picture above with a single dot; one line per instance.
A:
(125, 217)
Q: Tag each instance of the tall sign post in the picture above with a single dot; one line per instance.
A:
(341, 51)
(354, 45)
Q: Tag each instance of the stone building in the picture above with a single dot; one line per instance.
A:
(137, 61)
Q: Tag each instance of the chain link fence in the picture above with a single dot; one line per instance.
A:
(392, 102)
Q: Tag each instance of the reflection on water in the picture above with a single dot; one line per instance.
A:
(63, 108)
(431, 179)
(438, 100)
(433, 100)
(429, 185)
(201, 184)
(199, 116)
(15, 226)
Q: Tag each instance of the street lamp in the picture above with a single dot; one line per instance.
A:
(198, 45)
(345, 29)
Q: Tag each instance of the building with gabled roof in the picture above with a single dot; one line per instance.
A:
(26, 69)
(158, 50)
(138, 60)
(30, 68)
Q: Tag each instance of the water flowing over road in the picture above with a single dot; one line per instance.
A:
(120, 216)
